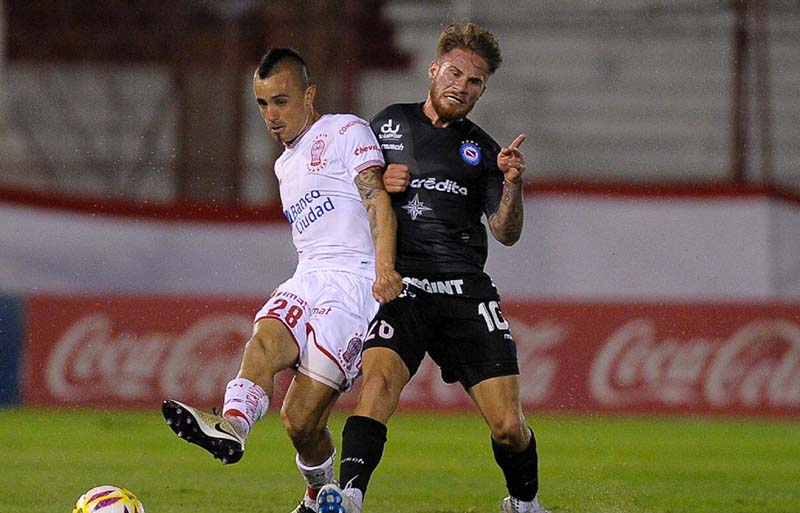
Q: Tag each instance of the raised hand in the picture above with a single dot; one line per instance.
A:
(511, 160)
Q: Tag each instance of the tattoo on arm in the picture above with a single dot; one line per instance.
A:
(369, 184)
(506, 223)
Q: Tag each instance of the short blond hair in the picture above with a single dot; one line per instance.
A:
(470, 37)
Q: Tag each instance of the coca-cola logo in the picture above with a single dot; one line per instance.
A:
(758, 366)
(93, 361)
(538, 365)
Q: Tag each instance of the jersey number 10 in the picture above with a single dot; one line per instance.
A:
(491, 314)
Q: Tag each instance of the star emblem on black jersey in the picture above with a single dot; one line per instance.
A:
(415, 207)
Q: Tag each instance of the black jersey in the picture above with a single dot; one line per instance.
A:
(441, 240)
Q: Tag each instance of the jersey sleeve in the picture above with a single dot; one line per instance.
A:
(493, 181)
(357, 146)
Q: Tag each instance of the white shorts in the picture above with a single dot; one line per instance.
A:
(328, 313)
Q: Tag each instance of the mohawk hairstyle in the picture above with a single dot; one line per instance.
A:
(470, 37)
(275, 56)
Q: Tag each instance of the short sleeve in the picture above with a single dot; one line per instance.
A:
(493, 185)
(357, 146)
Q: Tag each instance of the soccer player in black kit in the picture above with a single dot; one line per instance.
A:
(446, 173)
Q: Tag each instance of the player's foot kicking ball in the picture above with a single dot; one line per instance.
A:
(212, 432)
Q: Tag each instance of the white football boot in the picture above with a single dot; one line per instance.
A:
(210, 431)
(512, 505)
(332, 499)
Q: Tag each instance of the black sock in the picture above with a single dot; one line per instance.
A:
(521, 470)
(362, 448)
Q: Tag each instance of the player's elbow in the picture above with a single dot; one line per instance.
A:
(505, 236)
(505, 231)
(508, 239)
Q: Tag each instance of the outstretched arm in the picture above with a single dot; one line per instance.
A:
(383, 224)
(506, 223)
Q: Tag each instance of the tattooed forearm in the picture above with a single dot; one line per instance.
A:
(382, 222)
(506, 223)
(369, 184)
(374, 227)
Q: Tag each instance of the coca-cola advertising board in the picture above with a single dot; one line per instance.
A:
(132, 351)
(726, 358)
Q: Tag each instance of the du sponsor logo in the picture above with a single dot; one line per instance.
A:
(390, 131)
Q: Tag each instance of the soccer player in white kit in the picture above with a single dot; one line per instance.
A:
(343, 227)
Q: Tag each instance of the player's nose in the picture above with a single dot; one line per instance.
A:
(271, 115)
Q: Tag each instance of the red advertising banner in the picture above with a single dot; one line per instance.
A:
(574, 356)
(133, 351)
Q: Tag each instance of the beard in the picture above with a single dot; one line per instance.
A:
(446, 110)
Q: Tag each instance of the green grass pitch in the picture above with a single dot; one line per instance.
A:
(432, 464)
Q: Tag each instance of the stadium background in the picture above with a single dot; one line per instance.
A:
(659, 270)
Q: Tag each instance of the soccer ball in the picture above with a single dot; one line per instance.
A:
(108, 499)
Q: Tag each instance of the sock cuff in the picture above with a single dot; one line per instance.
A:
(367, 427)
(306, 468)
(503, 452)
(247, 397)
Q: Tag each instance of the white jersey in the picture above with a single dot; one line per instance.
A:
(316, 173)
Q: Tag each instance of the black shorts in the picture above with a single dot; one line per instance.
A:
(468, 338)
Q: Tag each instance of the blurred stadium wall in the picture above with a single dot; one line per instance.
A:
(660, 265)
(114, 98)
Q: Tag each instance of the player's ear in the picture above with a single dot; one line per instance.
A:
(311, 93)
(434, 67)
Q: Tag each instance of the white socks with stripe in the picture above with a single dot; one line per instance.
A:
(318, 476)
(245, 403)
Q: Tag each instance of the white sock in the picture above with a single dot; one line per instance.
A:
(245, 403)
(318, 476)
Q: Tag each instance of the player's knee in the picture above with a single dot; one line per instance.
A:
(510, 432)
(379, 395)
(259, 343)
(299, 428)
(266, 350)
(381, 386)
